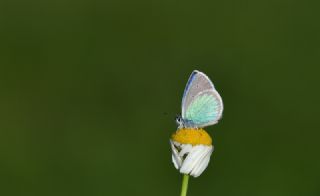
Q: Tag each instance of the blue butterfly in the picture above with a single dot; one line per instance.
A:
(201, 103)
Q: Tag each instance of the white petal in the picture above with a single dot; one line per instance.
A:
(197, 162)
(192, 159)
(176, 143)
(175, 162)
(202, 165)
(176, 159)
(185, 148)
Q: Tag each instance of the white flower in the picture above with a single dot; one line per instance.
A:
(190, 159)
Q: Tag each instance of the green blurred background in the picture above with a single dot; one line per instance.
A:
(90, 89)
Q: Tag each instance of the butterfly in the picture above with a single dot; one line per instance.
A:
(201, 103)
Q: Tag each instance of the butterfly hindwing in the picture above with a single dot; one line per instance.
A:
(204, 109)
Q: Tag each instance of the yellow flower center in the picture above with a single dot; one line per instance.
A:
(192, 136)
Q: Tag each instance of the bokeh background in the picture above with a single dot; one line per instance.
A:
(90, 89)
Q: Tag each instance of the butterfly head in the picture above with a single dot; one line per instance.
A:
(179, 121)
(184, 123)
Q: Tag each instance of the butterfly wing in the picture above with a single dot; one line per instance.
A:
(201, 103)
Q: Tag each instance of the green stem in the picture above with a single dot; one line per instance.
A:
(184, 187)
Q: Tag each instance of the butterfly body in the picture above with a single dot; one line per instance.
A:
(201, 103)
(184, 123)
